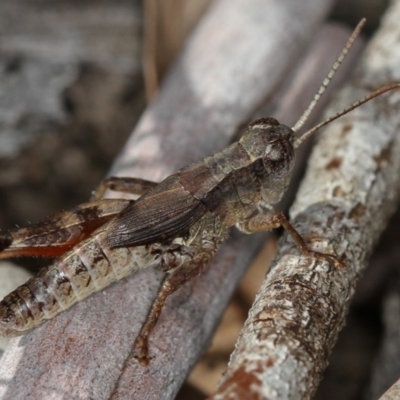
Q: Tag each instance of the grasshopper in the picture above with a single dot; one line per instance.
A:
(177, 224)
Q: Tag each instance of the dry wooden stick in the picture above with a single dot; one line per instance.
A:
(85, 352)
(350, 191)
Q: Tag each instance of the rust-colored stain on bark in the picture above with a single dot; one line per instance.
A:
(346, 129)
(242, 385)
(358, 212)
(335, 163)
(384, 156)
(270, 362)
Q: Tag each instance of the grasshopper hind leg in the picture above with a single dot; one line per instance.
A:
(60, 232)
(183, 260)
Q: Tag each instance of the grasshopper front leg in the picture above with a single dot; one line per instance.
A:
(274, 219)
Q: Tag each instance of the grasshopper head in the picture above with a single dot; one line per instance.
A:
(270, 147)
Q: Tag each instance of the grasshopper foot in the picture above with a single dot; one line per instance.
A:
(141, 349)
(323, 256)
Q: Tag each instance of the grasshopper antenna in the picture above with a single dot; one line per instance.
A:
(330, 75)
(325, 84)
(358, 103)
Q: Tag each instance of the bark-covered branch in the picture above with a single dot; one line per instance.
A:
(349, 193)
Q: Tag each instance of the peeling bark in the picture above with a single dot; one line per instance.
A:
(349, 193)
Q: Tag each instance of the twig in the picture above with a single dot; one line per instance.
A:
(349, 193)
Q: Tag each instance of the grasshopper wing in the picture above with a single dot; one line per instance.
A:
(165, 212)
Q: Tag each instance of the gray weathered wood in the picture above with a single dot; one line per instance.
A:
(39, 60)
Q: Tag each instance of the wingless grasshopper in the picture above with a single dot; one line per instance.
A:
(177, 224)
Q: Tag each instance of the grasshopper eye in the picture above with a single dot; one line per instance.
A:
(274, 151)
